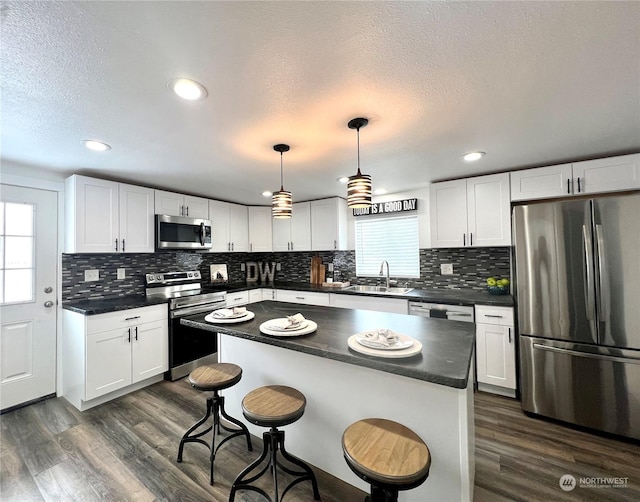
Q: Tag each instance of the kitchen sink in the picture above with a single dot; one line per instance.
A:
(379, 290)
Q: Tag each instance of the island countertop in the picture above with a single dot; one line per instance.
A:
(447, 346)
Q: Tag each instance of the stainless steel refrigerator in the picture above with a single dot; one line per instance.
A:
(578, 294)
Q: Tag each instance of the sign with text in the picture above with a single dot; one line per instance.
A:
(393, 206)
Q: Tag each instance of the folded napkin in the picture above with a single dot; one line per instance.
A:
(291, 322)
(232, 312)
(379, 338)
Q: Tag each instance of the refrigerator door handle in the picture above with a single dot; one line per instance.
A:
(602, 283)
(588, 265)
(618, 359)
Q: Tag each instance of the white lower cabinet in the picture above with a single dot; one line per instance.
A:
(305, 297)
(495, 350)
(369, 302)
(239, 298)
(118, 351)
(255, 295)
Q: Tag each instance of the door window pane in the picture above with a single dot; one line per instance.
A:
(18, 286)
(18, 219)
(17, 265)
(18, 252)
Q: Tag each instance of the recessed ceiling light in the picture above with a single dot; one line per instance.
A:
(470, 157)
(187, 89)
(267, 193)
(95, 145)
(343, 179)
(380, 191)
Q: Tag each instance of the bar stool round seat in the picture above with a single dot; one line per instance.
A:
(274, 406)
(387, 455)
(214, 378)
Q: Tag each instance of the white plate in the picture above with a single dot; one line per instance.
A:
(416, 348)
(219, 320)
(403, 342)
(232, 316)
(309, 328)
(273, 325)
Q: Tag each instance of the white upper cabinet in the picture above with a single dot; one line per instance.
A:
(293, 234)
(136, 218)
(107, 217)
(610, 174)
(472, 212)
(229, 227)
(177, 204)
(260, 235)
(541, 183)
(448, 202)
(329, 224)
(607, 175)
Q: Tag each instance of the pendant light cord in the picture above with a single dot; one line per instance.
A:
(281, 177)
(358, 136)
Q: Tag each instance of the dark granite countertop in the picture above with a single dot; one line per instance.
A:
(448, 296)
(446, 353)
(105, 305)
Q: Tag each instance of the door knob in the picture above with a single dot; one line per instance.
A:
(48, 303)
(48, 289)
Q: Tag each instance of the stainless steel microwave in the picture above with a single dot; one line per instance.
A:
(177, 232)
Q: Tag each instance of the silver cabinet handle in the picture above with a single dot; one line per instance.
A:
(116, 244)
(568, 185)
(129, 335)
(123, 245)
(299, 297)
(509, 335)
(493, 315)
(579, 189)
(48, 304)
(464, 239)
(470, 238)
(292, 246)
(335, 244)
(136, 331)
(187, 210)
(132, 318)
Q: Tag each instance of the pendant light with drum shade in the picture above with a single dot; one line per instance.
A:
(359, 185)
(281, 201)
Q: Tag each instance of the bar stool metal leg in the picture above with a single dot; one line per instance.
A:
(215, 407)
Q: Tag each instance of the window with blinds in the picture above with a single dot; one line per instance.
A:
(394, 239)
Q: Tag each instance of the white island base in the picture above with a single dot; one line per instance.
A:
(339, 394)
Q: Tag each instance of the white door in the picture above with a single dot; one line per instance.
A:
(28, 268)
(150, 346)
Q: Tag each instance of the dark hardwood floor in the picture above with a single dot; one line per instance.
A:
(126, 450)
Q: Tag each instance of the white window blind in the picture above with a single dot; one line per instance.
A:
(394, 239)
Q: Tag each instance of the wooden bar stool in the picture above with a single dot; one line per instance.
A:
(387, 455)
(273, 406)
(214, 377)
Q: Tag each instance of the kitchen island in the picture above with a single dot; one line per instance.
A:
(432, 392)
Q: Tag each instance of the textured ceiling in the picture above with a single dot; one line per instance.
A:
(530, 83)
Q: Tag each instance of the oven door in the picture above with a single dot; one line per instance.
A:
(190, 347)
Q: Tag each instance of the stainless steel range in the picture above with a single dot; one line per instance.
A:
(188, 347)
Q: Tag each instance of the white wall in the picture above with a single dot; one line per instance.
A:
(422, 194)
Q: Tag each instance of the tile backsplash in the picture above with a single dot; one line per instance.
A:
(471, 266)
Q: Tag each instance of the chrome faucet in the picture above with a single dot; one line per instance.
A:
(382, 270)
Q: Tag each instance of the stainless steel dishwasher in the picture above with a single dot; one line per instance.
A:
(442, 311)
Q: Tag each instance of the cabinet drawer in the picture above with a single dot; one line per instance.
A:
(255, 295)
(239, 298)
(502, 316)
(305, 297)
(114, 320)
